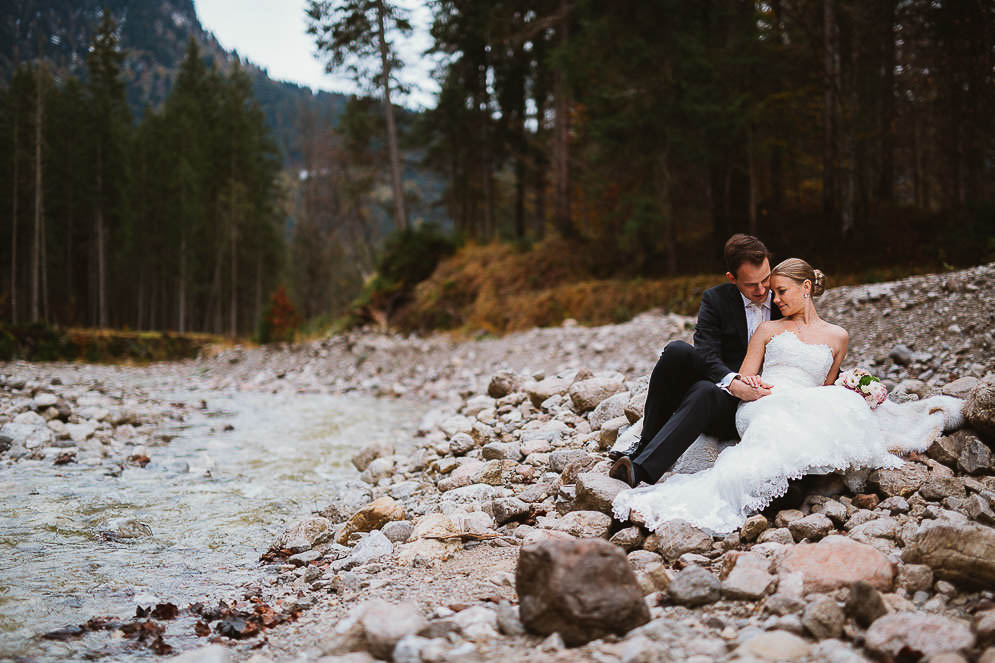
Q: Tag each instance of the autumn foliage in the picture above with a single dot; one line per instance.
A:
(280, 319)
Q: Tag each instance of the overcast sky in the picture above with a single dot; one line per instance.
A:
(272, 34)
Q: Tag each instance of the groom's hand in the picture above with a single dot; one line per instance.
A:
(745, 392)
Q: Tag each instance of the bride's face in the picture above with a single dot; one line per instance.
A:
(789, 295)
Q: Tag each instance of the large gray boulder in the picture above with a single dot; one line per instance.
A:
(676, 537)
(701, 455)
(902, 481)
(750, 577)
(812, 527)
(865, 604)
(540, 391)
(823, 618)
(612, 407)
(916, 634)
(25, 435)
(346, 499)
(979, 409)
(585, 524)
(362, 458)
(582, 590)
(694, 586)
(376, 627)
(975, 456)
(595, 491)
(962, 552)
(587, 394)
(304, 535)
(504, 383)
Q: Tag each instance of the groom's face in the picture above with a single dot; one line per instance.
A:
(752, 280)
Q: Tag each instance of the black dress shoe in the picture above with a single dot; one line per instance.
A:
(624, 471)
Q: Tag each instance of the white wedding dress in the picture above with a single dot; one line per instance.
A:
(801, 428)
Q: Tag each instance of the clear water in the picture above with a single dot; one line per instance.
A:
(209, 523)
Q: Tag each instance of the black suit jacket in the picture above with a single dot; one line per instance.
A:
(720, 335)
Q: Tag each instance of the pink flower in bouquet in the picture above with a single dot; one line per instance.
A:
(865, 384)
(876, 394)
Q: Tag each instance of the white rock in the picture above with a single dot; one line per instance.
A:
(30, 418)
(208, 654)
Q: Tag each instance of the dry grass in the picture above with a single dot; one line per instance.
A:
(498, 288)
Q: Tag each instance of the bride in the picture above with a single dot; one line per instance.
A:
(805, 426)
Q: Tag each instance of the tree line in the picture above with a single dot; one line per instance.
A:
(647, 132)
(648, 126)
(170, 222)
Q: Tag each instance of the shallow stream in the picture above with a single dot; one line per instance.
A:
(214, 500)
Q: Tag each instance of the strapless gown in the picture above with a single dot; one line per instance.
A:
(801, 428)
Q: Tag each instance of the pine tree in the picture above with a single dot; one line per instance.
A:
(352, 32)
(111, 123)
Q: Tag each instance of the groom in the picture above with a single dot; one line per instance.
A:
(695, 390)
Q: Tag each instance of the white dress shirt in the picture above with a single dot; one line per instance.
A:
(755, 314)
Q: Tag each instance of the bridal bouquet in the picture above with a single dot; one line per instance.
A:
(865, 384)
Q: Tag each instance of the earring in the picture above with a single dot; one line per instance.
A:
(806, 295)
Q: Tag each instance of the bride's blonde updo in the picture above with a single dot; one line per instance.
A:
(800, 271)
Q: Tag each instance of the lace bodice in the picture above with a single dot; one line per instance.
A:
(791, 362)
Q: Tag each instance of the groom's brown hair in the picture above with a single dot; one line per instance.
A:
(742, 248)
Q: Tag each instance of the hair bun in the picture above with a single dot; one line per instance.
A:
(819, 284)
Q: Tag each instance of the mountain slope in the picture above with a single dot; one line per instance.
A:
(155, 34)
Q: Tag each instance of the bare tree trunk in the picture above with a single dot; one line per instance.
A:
(887, 119)
(140, 313)
(182, 317)
(101, 257)
(13, 231)
(400, 214)
(259, 284)
(666, 205)
(916, 164)
(45, 313)
(36, 244)
(70, 294)
(212, 316)
(846, 91)
(829, 106)
(233, 309)
(752, 174)
(488, 172)
(561, 141)
(519, 197)
(541, 164)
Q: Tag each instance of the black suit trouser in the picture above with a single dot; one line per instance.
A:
(681, 404)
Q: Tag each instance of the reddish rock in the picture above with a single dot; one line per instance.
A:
(582, 589)
(837, 562)
(866, 501)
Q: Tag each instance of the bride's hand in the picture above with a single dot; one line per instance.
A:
(755, 381)
(749, 388)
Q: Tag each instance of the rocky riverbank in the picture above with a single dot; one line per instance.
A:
(416, 559)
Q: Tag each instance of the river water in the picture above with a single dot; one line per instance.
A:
(213, 499)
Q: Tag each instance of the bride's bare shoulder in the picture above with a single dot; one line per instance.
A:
(838, 334)
(769, 329)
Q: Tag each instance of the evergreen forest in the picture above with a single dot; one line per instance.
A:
(631, 138)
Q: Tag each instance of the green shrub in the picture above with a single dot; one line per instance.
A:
(34, 341)
(410, 256)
